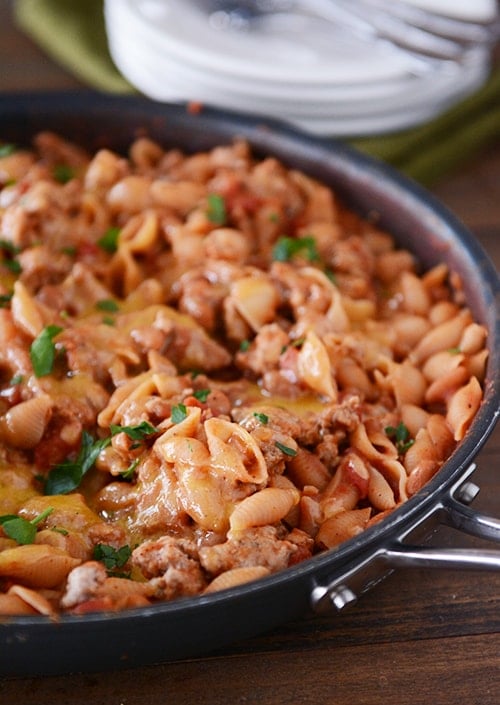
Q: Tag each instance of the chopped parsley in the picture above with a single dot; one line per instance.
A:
(285, 449)
(244, 345)
(263, 418)
(178, 413)
(331, 275)
(137, 433)
(112, 558)
(12, 265)
(128, 474)
(67, 476)
(9, 247)
(401, 437)
(16, 379)
(22, 530)
(5, 300)
(109, 241)
(70, 250)
(286, 248)
(201, 395)
(7, 149)
(216, 209)
(43, 351)
(107, 305)
(63, 173)
(9, 252)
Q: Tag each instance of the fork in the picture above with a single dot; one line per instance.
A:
(421, 33)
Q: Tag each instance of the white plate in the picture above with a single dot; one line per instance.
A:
(301, 49)
(145, 72)
(155, 58)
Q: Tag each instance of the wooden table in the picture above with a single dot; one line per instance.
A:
(421, 637)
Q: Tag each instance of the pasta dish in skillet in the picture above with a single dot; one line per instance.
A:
(210, 370)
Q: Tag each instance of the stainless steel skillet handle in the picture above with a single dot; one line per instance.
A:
(452, 510)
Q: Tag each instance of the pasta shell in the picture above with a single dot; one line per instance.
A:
(12, 604)
(440, 364)
(380, 493)
(420, 476)
(25, 311)
(305, 468)
(342, 527)
(24, 424)
(443, 336)
(314, 367)
(445, 386)
(33, 599)
(473, 339)
(234, 452)
(130, 194)
(462, 407)
(416, 298)
(414, 418)
(268, 506)
(38, 566)
(202, 497)
(255, 299)
(237, 576)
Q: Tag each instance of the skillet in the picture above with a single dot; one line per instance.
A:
(193, 626)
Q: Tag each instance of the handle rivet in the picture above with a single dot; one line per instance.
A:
(342, 596)
(467, 492)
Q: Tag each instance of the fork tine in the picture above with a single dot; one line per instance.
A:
(417, 31)
(425, 35)
(461, 30)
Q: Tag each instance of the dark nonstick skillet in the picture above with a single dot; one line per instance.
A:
(192, 626)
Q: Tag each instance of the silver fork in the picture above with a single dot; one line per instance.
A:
(422, 33)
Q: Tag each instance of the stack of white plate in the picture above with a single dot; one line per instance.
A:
(308, 72)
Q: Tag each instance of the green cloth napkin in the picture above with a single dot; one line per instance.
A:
(72, 32)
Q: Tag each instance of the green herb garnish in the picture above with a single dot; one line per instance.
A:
(16, 379)
(12, 265)
(128, 474)
(67, 476)
(263, 418)
(5, 300)
(112, 558)
(285, 449)
(63, 173)
(8, 261)
(331, 275)
(201, 395)
(7, 149)
(107, 305)
(9, 247)
(216, 209)
(179, 413)
(244, 345)
(22, 530)
(401, 437)
(137, 433)
(43, 350)
(109, 241)
(286, 248)
(70, 250)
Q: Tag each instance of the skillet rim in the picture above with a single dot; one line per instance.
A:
(358, 168)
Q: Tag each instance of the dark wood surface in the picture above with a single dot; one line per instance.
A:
(421, 637)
